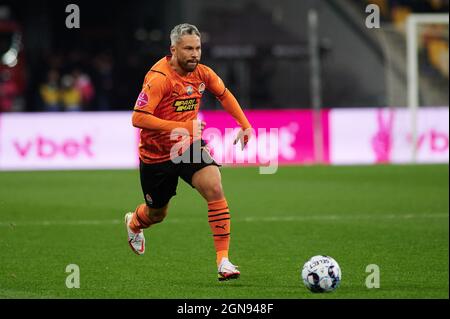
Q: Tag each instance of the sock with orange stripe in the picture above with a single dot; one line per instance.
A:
(140, 219)
(219, 221)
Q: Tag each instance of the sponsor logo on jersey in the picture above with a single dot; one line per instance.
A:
(142, 100)
(185, 105)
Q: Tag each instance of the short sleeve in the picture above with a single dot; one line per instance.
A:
(214, 83)
(152, 93)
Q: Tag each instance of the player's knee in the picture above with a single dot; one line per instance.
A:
(215, 192)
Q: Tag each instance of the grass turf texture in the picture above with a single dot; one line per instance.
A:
(392, 216)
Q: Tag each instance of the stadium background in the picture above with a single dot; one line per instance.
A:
(62, 80)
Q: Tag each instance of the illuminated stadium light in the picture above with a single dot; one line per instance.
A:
(10, 58)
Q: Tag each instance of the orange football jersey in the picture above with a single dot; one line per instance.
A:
(169, 96)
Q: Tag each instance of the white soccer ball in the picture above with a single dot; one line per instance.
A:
(321, 274)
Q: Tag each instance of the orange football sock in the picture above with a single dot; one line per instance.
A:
(140, 219)
(219, 221)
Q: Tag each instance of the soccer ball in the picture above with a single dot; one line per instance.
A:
(321, 274)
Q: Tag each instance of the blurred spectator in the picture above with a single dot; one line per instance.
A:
(50, 92)
(84, 85)
(8, 91)
(71, 97)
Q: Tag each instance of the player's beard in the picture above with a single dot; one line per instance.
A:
(189, 65)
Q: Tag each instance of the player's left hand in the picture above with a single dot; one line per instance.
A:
(243, 136)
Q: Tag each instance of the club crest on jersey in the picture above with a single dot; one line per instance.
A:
(185, 105)
(189, 90)
(142, 100)
(201, 88)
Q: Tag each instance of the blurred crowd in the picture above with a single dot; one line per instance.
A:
(73, 82)
(63, 82)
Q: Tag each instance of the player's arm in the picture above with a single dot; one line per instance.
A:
(153, 90)
(150, 122)
(231, 105)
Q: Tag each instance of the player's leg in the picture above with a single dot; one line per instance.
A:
(208, 183)
(158, 182)
(205, 177)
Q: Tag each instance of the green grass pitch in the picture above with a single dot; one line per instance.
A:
(396, 217)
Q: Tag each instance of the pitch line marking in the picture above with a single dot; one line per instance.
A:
(236, 219)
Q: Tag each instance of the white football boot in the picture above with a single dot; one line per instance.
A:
(227, 270)
(136, 241)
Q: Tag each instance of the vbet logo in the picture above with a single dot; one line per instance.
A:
(61, 141)
(432, 140)
(41, 147)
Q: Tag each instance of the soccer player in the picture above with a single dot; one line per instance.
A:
(166, 107)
